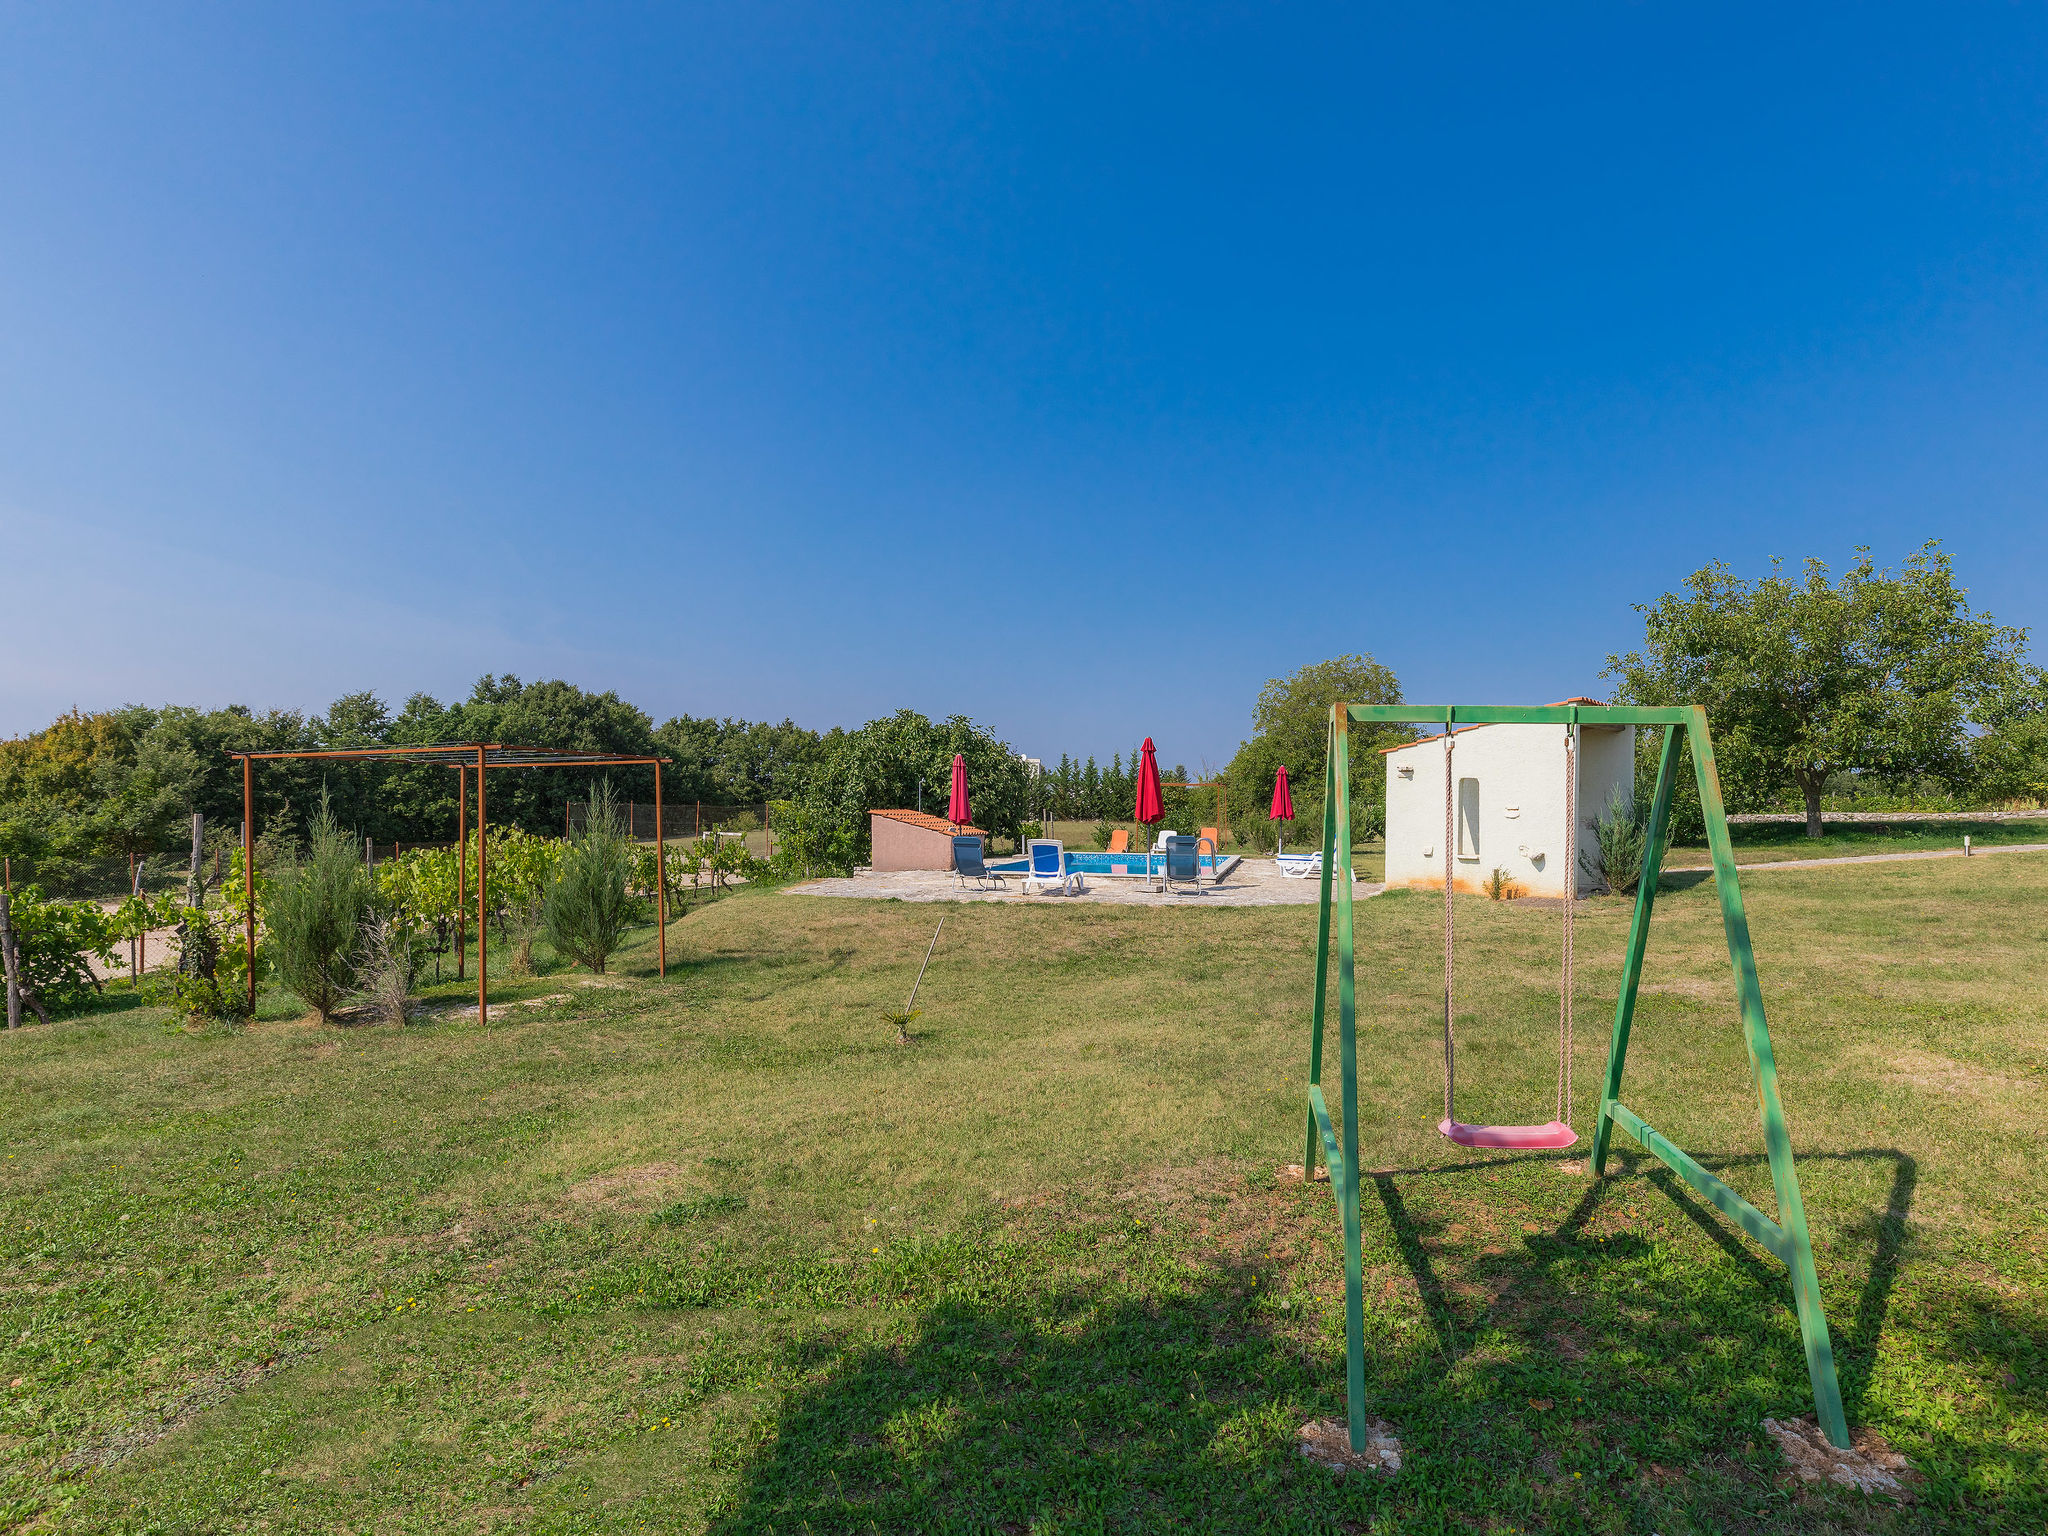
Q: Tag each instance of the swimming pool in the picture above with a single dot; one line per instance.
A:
(1116, 864)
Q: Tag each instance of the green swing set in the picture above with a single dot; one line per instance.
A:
(1786, 1239)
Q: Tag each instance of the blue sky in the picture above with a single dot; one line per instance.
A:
(1077, 370)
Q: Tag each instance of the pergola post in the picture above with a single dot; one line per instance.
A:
(483, 933)
(461, 863)
(660, 877)
(249, 870)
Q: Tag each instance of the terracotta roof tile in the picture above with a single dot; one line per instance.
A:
(929, 823)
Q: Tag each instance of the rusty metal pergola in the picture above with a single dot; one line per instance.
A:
(465, 757)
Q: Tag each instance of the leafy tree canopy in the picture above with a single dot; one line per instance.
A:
(1882, 672)
(1291, 725)
(736, 762)
(879, 766)
(62, 765)
(2011, 757)
(126, 780)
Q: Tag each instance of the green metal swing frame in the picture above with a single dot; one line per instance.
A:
(1785, 1239)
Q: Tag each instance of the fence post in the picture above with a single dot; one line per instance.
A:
(141, 952)
(7, 960)
(195, 892)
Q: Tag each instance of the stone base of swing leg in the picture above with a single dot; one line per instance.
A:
(1291, 1174)
(1327, 1443)
(1871, 1467)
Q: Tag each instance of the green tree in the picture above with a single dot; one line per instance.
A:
(736, 762)
(553, 714)
(588, 901)
(145, 796)
(313, 913)
(1291, 724)
(881, 765)
(1882, 672)
(2011, 757)
(55, 943)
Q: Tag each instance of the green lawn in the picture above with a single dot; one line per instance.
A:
(715, 1255)
(1769, 841)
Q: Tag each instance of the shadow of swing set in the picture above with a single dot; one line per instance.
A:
(1786, 1239)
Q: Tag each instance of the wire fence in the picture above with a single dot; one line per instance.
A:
(689, 819)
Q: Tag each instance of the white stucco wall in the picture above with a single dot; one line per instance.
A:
(1520, 826)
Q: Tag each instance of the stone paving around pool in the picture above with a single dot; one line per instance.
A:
(1253, 883)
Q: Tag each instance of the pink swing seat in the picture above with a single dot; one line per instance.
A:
(1553, 1136)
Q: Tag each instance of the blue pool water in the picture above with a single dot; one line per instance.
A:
(1112, 863)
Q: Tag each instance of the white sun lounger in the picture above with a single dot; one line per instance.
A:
(1048, 869)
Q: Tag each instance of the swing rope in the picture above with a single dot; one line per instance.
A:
(1571, 891)
(1450, 949)
(1567, 959)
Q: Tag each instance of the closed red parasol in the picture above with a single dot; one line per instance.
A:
(1283, 804)
(1150, 808)
(956, 807)
(1283, 798)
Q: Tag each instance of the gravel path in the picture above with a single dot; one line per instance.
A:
(1877, 858)
(1743, 818)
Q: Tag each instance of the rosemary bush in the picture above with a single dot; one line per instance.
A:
(1616, 856)
(589, 900)
(313, 913)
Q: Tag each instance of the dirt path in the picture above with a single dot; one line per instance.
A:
(156, 949)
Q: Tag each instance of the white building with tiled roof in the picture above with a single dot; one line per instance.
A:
(1507, 804)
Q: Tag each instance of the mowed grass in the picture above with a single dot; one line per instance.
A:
(1765, 842)
(714, 1254)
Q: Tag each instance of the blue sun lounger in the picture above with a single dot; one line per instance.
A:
(1183, 864)
(968, 864)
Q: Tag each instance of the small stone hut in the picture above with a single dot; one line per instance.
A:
(1508, 803)
(913, 840)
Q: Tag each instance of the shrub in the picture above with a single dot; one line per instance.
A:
(589, 903)
(1501, 886)
(313, 915)
(1616, 857)
(387, 963)
(199, 989)
(729, 858)
(194, 998)
(55, 943)
(231, 960)
(523, 923)
(811, 839)
(901, 1019)
(522, 865)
